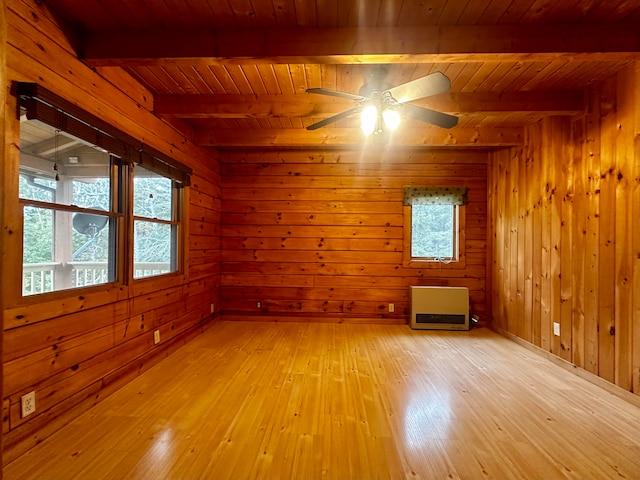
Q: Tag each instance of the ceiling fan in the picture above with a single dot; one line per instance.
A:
(380, 104)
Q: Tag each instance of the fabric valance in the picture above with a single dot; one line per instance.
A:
(435, 196)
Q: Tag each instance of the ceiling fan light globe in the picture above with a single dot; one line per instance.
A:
(391, 119)
(369, 119)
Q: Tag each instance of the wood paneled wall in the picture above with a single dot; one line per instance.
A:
(565, 214)
(320, 234)
(4, 91)
(75, 347)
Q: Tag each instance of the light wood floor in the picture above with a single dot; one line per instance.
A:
(307, 401)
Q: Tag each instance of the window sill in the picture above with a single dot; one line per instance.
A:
(435, 265)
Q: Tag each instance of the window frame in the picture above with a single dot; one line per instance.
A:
(46, 107)
(176, 223)
(459, 241)
(113, 230)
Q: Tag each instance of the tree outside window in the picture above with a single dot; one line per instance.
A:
(155, 223)
(433, 231)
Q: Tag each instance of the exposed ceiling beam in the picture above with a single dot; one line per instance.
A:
(427, 136)
(462, 43)
(308, 105)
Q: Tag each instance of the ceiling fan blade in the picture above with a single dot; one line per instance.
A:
(432, 84)
(334, 93)
(440, 119)
(335, 118)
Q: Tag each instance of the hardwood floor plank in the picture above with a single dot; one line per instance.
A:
(339, 401)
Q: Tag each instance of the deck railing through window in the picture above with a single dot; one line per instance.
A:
(40, 277)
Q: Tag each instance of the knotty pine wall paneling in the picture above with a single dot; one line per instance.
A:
(319, 235)
(73, 348)
(4, 92)
(576, 260)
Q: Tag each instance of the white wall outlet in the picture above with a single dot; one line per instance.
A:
(258, 304)
(156, 337)
(213, 307)
(556, 329)
(392, 308)
(28, 403)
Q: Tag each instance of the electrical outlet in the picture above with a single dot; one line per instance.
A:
(28, 403)
(258, 304)
(213, 307)
(556, 329)
(156, 337)
(392, 308)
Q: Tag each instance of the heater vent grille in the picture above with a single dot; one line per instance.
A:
(441, 308)
(440, 318)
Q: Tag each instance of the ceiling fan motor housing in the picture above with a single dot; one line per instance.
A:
(375, 82)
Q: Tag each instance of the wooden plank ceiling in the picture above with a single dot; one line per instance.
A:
(233, 73)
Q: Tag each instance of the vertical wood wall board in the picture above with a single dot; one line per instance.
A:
(592, 171)
(532, 148)
(499, 238)
(556, 159)
(626, 87)
(585, 255)
(607, 227)
(579, 235)
(527, 246)
(546, 193)
(489, 244)
(12, 221)
(635, 227)
(513, 208)
(521, 239)
(566, 248)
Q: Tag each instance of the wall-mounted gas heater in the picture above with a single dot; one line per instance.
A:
(440, 308)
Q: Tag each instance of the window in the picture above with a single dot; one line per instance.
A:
(433, 221)
(155, 223)
(78, 209)
(70, 223)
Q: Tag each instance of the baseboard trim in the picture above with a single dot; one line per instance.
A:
(612, 388)
(311, 318)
